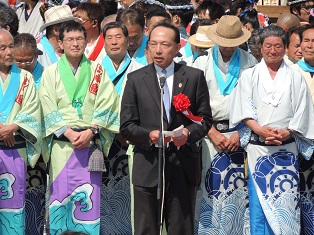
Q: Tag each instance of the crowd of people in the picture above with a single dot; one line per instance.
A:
(180, 117)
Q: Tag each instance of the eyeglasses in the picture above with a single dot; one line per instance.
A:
(307, 8)
(25, 62)
(71, 40)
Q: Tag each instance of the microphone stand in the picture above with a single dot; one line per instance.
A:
(161, 155)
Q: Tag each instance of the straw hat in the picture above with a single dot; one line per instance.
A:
(56, 15)
(228, 32)
(200, 39)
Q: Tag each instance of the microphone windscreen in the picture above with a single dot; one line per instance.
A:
(162, 80)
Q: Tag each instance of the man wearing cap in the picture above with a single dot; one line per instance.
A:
(301, 9)
(274, 102)
(20, 136)
(48, 44)
(222, 158)
(80, 117)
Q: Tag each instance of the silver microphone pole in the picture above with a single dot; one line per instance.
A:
(161, 155)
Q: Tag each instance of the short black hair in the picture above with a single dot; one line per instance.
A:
(169, 26)
(185, 15)
(304, 28)
(298, 6)
(131, 16)
(93, 10)
(216, 10)
(8, 18)
(110, 7)
(199, 22)
(114, 25)
(297, 30)
(236, 4)
(71, 26)
(250, 16)
(160, 12)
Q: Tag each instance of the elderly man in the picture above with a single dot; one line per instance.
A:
(20, 136)
(140, 124)
(274, 101)
(306, 66)
(80, 108)
(223, 65)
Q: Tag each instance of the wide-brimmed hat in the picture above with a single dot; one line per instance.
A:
(200, 39)
(56, 15)
(228, 32)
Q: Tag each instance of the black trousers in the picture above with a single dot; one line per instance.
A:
(178, 203)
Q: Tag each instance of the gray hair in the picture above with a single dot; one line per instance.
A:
(273, 31)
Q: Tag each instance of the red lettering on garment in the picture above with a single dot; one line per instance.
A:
(20, 94)
(93, 88)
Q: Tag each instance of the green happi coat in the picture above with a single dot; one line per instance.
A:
(100, 107)
(70, 180)
(26, 114)
(20, 105)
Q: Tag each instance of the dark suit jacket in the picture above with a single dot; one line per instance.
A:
(140, 114)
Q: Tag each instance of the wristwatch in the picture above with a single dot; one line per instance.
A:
(94, 130)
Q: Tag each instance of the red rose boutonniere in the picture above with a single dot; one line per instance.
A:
(182, 103)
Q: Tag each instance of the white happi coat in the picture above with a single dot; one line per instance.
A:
(221, 208)
(34, 22)
(218, 102)
(283, 102)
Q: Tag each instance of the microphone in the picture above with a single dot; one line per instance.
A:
(162, 80)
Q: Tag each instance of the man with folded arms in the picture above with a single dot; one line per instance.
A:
(274, 101)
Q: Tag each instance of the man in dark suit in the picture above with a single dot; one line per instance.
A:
(140, 123)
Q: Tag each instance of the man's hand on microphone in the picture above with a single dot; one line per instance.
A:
(181, 140)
